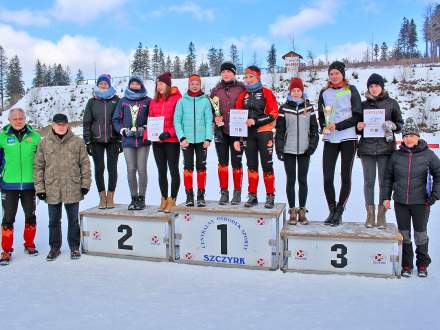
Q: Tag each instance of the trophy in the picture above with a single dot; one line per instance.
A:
(328, 115)
(134, 112)
(215, 102)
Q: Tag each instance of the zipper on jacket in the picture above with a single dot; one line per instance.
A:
(410, 156)
(105, 121)
(297, 130)
(21, 165)
(194, 109)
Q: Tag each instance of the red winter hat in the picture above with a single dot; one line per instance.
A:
(165, 78)
(193, 77)
(296, 83)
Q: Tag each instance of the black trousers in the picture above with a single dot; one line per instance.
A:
(224, 144)
(167, 156)
(10, 199)
(73, 231)
(112, 150)
(260, 143)
(347, 149)
(188, 157)
(290, 162)
(419, 215)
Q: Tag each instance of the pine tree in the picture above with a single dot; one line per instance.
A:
(161, 61)
(401, 48)
(79, 77)
(212, 58)
(155, 63)
(14, 82)
(3, 74)
(66, 76)
(233, 53)
(412, 39)
(190, 61)
(168, 64)
(146, 65)
(177, 68)
(271, 59)
(137, 63)
(376, 52)
(254, 60)
(427, 30)
(203, 70)
(47, 74)
(220, 59)
(38, 80)
(384, 52)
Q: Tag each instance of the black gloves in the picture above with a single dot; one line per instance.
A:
(89, 147)
(42, 196)
(280, 156)
(431, 200)
(84, 191)
(164, 136)
(120, 148)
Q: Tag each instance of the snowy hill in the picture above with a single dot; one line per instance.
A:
(419, 96)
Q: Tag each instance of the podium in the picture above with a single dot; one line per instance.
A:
(118, 232)
(228, 235)
(347, 249)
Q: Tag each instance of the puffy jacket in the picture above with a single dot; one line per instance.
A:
(347, 112)
(407, 174)
(379, 146)
(166, 109)
(18, 158)
(97, 121)
(228, 93)
(296, 129)
(122, 119)
(193, 119)
(263, 108)
(62, 168)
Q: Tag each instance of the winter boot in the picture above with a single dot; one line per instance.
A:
(422, 271)
(110, 199)
(75, 254)
(132, 205)
(293, 216)
(302, 218)
(189, 197)
(31, 251)
(163, 204)
(5, 258)
(102, 200)
(406, 271)
(171, 203)
(140, 202)
(331, 208)
(201, 198)
(337, 217)
(381, 220)
(224, 197)
(270, 201)
(252, 200)
(370, 221)
(236, 198)
(53, 254)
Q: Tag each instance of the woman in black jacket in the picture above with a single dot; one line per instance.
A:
(375, 151)
(100, 137)
(408, 176)
(296, 140)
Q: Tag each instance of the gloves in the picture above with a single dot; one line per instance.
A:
(120, 149)
(431, 200)
(89, 147)
(84, 191)
(128, 132)
(308, 152)
(280, 156)
(140, 131)
(389, 126)
(42, 196)
(164, 136)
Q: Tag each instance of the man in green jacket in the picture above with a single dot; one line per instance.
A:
(18, 143)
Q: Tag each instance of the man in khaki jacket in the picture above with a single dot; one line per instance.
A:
(62, 175)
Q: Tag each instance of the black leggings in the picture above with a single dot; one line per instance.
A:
(290, 162)
(167, 155)
(10, 199)
(261, 144)
(188, 157)
(329, 158)
(112, 150)
(222, 145)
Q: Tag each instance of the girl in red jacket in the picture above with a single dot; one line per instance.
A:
(262, 109)
(166, 149)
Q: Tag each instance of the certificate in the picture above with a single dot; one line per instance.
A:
(374, 119)
(237, 123)
(154, 128)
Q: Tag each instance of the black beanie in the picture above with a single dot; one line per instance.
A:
(228, 66)
(376, 79)
(338, 66)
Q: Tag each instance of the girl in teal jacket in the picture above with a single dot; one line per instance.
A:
(193, 124)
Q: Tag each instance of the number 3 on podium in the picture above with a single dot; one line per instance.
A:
(341, 260)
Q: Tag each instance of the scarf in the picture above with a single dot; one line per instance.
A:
(104, 94)
(132, 94)
(199, 93)
(343, 83)
(254, 87)
(297, 101)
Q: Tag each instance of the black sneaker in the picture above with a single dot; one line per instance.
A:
(201, 198)
(224, 197)
(422, 271)
(140, 203)
(189, 198)
(132, 205)
(75, 254)
(270, 201)
(236, 198)
(53, 254)
(329, 219)
(5, 258)
(252, 200)
(406, 271)
(31, 251)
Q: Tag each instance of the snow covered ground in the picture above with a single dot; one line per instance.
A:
(106, 293)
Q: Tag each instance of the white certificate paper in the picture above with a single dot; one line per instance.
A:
(155, 128)
(237, 123)
(374, 119)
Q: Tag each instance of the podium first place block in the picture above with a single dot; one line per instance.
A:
(229, 235)
(349, 248)
(118, 232)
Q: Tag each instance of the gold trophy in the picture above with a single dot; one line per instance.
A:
(134, 112)
(215, 102)
(328, 115)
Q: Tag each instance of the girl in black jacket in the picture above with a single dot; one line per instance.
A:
(375, 151)
(407, 176)
(296, 140)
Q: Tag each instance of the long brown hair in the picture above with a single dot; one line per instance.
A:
(166, 95)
